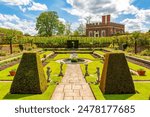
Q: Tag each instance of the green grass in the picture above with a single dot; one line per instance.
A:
(86, 56)
(99, 52)
(4, 74)
(5, 87)
(62, 56)
(142, 88)
(45, 53)
(55, 67)
(134, 67)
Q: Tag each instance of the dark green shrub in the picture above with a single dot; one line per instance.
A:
(21, 47)
(29, 49)
(44, 55)
(116, 77)
(30, 77)
(74, 60)
(124, 46)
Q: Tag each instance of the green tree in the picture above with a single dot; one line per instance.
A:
(10, 37)
(135, 36)
(60, 28)
(81, 29)
(68, 28)
(47, 23)
(76, 33)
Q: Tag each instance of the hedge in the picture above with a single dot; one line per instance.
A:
(30, 77)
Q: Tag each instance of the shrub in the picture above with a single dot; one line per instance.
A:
(44, 56)
(29, 49)
(116, 78)
(74, 60)
(16, 50)
(129, 49)
(145, 52)
(34, 46)
(30, 77)
(21, 47)
(124, 46)
(2, 54)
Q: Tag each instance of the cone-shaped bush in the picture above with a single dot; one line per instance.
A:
(30, 77)
(116, 77)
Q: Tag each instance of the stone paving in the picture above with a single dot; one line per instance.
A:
(73, 86)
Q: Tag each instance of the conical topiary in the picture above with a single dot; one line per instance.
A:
(116, 77)
(30, 77)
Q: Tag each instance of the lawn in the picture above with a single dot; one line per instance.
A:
(4, 74)
(5, 86)
(62, 56)
(142, 88)
(134, 67)
(86, 56)
(45, 53)
(143, 93)
(99, 52)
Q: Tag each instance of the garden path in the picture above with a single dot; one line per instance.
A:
(73, 86)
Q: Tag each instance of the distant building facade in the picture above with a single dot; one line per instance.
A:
(104, 28)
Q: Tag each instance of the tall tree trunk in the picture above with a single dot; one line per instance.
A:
(135, 47)
(11, 46)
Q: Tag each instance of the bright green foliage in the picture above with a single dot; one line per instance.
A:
(62, 56)
(10, 31)
(60, 28)
(48, 23)
(9, 34)
(116, 77)
(30, 77)
(86, 56)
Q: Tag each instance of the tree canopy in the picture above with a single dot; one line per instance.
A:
(48, 24)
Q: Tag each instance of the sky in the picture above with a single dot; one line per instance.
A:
(22, 14)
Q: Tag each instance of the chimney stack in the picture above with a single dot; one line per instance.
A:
(106, 19)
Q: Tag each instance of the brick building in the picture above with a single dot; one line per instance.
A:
(104, 28)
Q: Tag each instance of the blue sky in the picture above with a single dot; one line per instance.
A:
(21, 14)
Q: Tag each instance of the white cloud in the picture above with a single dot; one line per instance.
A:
(38, 6)
(25, 5)
(8, 17)
(62, 20)
(139, 23)
(14, 22)
(117, 8)
(16, 2)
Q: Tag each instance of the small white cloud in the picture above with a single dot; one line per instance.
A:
(8, 17)
(38, 7)
(62, 20)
